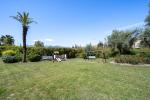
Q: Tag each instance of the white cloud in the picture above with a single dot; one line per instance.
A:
(44, 40)
(131, 26)
(35, 40)
(49, 40)
(139, 24)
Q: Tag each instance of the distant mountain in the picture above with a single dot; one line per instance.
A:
(57, 46)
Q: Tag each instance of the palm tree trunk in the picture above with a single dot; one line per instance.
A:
(24, 34)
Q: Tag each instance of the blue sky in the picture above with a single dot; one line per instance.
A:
(68, 22)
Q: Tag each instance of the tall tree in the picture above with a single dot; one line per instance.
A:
(7, 40)
(118, 40)
(146, 34)
(145, 38)
(25, 20)
(39, 44)
(88, 47)
(147, 19)
(100, 44)
(133, 36)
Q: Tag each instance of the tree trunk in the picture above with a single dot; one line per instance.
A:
(104, 57)
(24, 34)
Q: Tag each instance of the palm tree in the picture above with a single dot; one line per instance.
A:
(25, 21)
(7, 40)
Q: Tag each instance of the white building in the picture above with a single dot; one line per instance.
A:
(137, 44)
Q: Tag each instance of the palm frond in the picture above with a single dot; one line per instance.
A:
(23, 18)
(19, 15)
(16, 18)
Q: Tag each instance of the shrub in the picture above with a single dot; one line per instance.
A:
(113, 53)
(71, 52)
(18, 57)
(9, 59)
(143, 52)
(10, 56)
(79, 52)
(147, 60)
(84, 56)
(132, 59)
(33, 57)
(9, 53)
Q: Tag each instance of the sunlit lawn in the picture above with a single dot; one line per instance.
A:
(74, 79)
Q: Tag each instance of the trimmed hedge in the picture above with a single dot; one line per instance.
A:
(9, 59)
(70, 52)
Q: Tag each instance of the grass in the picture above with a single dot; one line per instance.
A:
(74, 79)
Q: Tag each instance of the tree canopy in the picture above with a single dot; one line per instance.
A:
(7, 40)
(39, 44)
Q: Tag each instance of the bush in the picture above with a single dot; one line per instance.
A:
(33, 57)
(9, 59)
(126, 59)
(71, 52)
(143, 52)
(10, 56)
(132, 59)
(79, 52)
(18, 57)
(9, 53)
(147, 60)
(113, 52)
(84, 56)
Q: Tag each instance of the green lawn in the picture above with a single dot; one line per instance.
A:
(74, 79)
